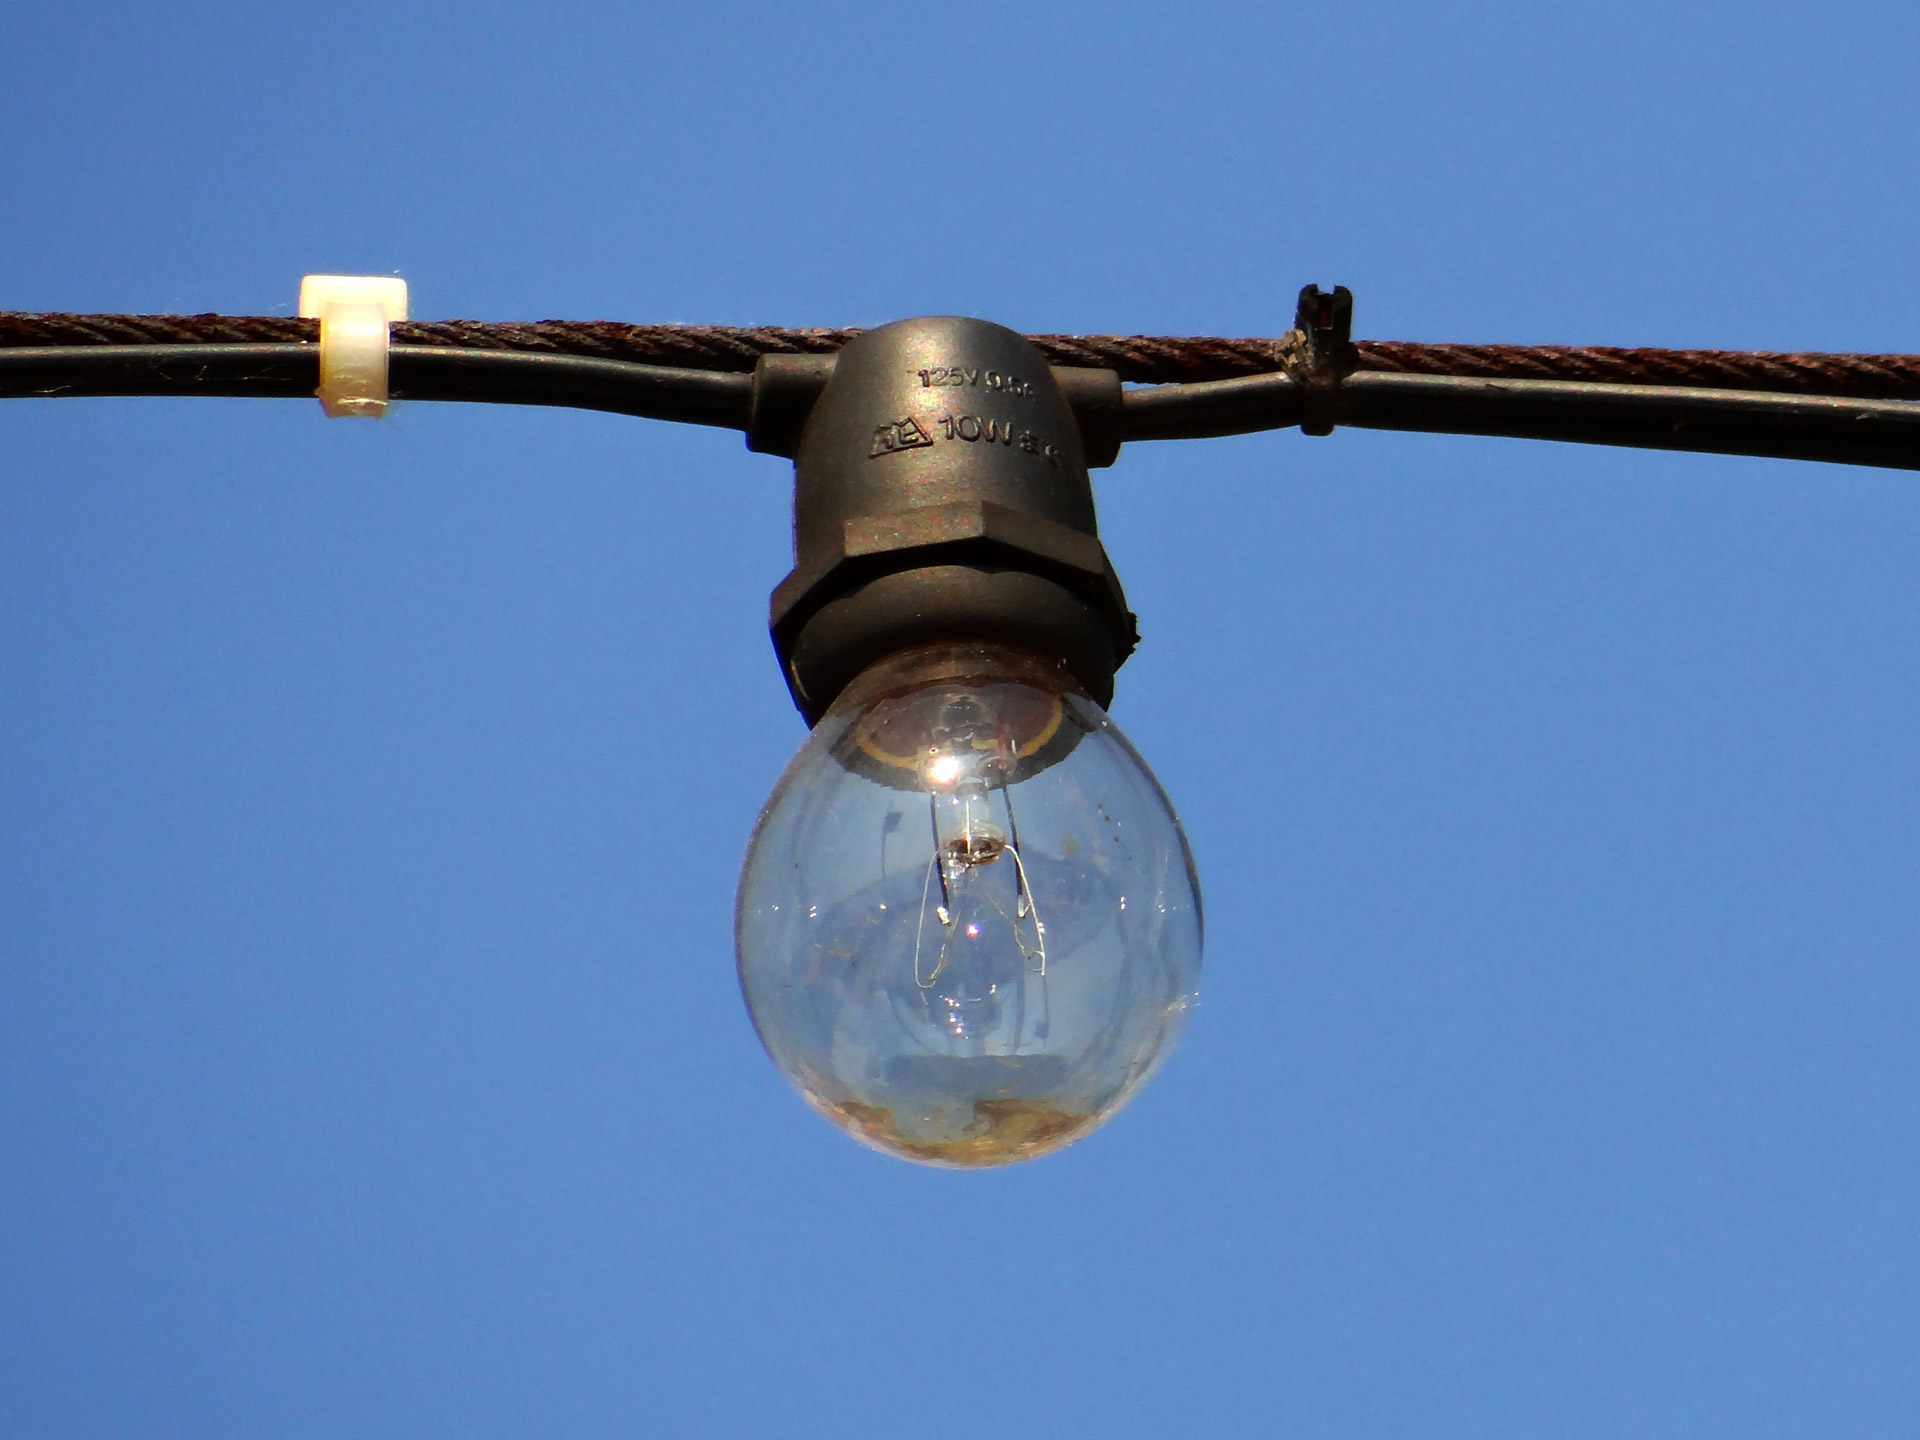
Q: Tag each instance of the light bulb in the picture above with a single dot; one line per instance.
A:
(968, 925)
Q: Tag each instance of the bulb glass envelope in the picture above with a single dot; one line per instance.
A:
(968, 925)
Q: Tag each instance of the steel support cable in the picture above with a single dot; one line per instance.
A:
(1854, 409)
(1142, 359)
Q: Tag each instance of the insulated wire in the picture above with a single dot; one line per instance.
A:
(414, 372)
(1727, 422)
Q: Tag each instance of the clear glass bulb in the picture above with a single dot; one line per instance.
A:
(968, 925)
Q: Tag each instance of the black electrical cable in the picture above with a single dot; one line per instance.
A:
(1726, 422)
(1723, 422)
(1735, 422)
(414, 372)
(1210, 408)
(259, 371)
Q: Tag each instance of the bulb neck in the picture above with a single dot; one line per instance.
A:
(941, 495)
(972, 665)
(931, 719)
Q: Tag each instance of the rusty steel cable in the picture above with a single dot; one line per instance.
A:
(1853, 409)
(1143, 359)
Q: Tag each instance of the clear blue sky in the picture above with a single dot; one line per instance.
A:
(371, 795)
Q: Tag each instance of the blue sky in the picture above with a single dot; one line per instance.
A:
(371, 1059)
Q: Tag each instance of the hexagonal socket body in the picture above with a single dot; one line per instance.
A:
(941, 493)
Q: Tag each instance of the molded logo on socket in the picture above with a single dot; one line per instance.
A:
(896, 435)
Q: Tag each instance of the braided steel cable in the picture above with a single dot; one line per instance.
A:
(1146, 359)
(1851, 409)
(1862, 377)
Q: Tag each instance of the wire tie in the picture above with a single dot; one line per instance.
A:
(356, 313)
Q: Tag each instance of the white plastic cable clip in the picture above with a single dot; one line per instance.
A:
(354, 312)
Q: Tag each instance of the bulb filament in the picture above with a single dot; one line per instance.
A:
(972, 843)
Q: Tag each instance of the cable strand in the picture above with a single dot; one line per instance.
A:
(1142, 359)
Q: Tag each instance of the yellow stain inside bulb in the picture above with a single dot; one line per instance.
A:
(1002, 1132)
